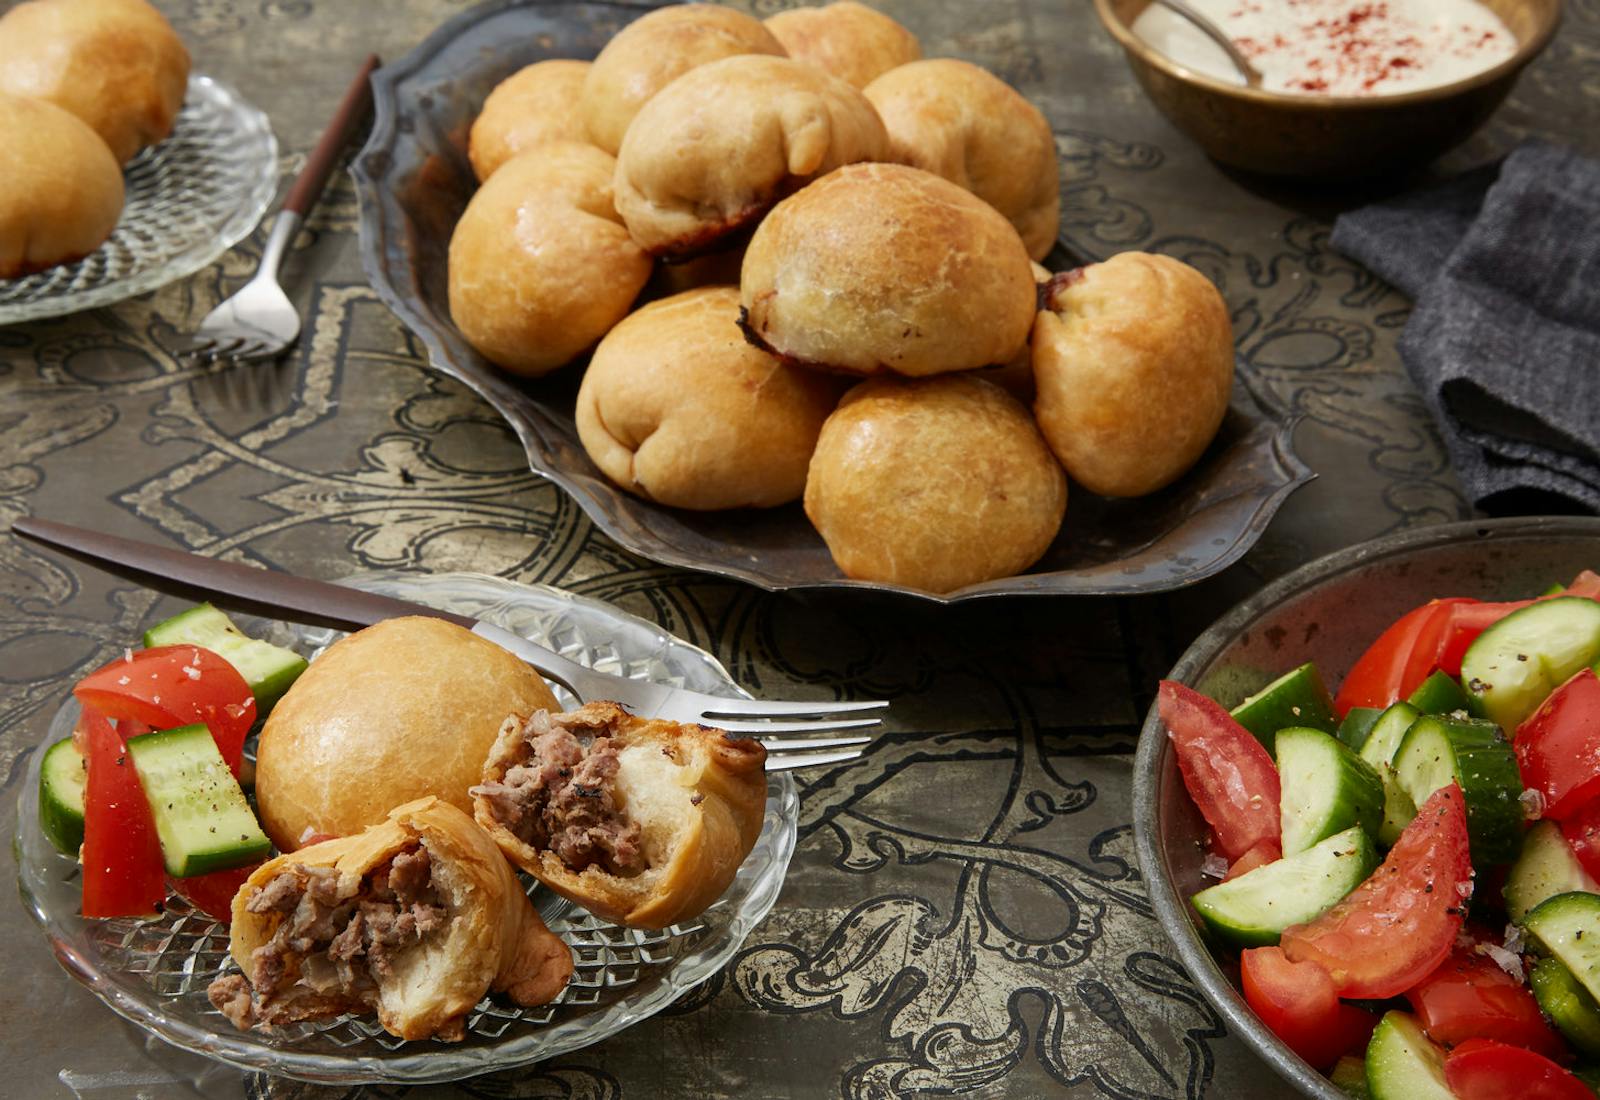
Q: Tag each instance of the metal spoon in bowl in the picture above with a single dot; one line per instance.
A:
(1251, 74)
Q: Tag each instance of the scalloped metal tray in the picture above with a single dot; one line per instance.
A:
(414, 180)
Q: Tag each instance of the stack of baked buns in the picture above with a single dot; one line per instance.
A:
(84, 86)
(803, 262)
(406, 777)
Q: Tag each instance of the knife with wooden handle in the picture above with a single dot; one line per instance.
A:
(266, 592)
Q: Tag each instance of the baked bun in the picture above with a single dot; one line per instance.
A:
(880, 268)
(934, 483)
(652, 52)
(397, 711)
(533, 106)
(1133, 360)
(849, 40)
(417, 917)
(61, 191)
(712, 152)
(640, 821)
(116, 64)
(677, 407)
(961, 122)
(540, 265)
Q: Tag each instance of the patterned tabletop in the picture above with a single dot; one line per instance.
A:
(963, 914)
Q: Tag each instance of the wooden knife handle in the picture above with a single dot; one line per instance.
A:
(319, 165)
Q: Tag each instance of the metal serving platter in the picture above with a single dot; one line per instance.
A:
(414, 180)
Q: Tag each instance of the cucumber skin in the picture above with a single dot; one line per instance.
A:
(1547, 926)
(1297, 698)
(1497, 646)
(1546, 867)
(208, 628)
(1267, 933)
(198, 768)
(1357, 726)
(1403, 1063)
(1568, 1005)
(1486, 768)
(1350, 1076)
(1363, 808)
(61, 811)
(1440, 693)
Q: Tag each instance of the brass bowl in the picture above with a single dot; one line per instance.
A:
(1328, 137)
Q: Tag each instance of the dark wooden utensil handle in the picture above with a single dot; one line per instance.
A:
(319, 165)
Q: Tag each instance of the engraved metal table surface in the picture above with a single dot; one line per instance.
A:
(963, 914)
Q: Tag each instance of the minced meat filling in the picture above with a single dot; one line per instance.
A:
(332, 939)
(563, 800)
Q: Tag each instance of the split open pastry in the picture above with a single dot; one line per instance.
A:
(541, 266)
(962, 122)
(116, 64)
(533, 106)
(852, 41)
(677, 407)
(61, 191)
(641, 821)
(887, 269)
(711, 153)
(934, 483)
(656, 49)
(417, 918)
(1133, 361)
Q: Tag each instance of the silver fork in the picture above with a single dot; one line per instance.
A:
(259, 322)
(761, 718)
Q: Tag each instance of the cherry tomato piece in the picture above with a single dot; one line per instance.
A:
(213, 894)
(172, 686)
(1470, 997)
(1268, 851)
(1558, 746)
(1297, 1001)
(122, 869)
(1482, 1069)
(1229, 774)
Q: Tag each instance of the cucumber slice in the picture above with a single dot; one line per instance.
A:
(1519, 660)
(1567, 927)
(1350, 1077)
(1379, 750)
(1589, 1075)
(202, 818)
(1438, 751)
(62, 776)
(1568, 1004)
(1326, 789)
(1254, 909)
(268, 669)
(1357, 724)
(1440, 693)
(1403, 1064)
(1546, 867)
(1297, 698)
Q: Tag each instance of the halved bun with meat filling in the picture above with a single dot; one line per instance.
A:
(641, 821)
(417, 918)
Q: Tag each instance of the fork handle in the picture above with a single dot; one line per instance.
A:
(308, 185)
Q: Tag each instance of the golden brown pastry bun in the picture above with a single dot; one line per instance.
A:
(677, 407)
(1133, 360)
(961, 122)
(397, 711)
(934, 483)
(532, 106)
(880, 268)
(61, 189)
(849, 40)
(540, 265)
(652, 52)
(640, 821)
(116, 64)
(417, 917)
(718, 146)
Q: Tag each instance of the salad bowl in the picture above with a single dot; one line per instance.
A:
(1328, 611)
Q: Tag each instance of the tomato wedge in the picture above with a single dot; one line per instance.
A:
(213, 894)
(122, 869)
(1268, 851)
(172, 686)
(1297, 1001)
(1229, 774)
(1558, 746)
(1582, 831)
(1470, 997)
(1398, 926)
(1482, 1069)
(1382, 674)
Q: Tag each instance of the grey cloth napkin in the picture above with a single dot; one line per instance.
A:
(1504, 266)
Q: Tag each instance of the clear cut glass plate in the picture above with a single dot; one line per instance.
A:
(155, 972)
(190, 198)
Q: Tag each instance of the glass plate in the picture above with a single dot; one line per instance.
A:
(190, 198)
(413, 180)
(155, 972)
